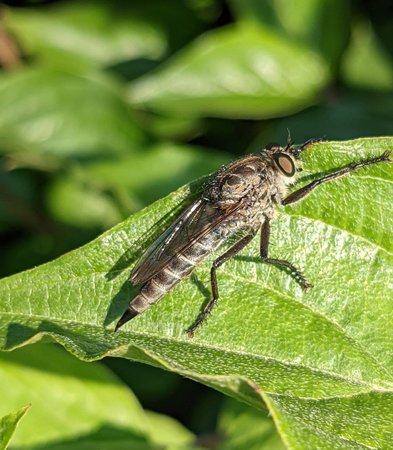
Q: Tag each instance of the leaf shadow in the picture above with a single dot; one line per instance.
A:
(127, 291)
(120, 301)
(105, 436)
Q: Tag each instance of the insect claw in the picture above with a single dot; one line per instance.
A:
(307, 287)
(190, 331)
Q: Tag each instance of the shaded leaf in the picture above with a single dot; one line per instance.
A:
(321, 360)
(243, 427)
(109, 190)
(78, 36)
(77, 405)
(323, 26)
(237, 71)
(38, 115)
(366, 51)
(345, 117)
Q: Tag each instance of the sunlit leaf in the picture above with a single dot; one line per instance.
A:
(237, 71)
(8, 424)
(321, 360)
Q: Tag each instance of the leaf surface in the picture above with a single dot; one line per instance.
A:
(77, 405)
(321, 360)
(237, 71)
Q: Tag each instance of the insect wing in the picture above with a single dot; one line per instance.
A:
(198, 219)
(155, 256)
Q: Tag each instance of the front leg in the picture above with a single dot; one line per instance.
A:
(305, 190)
(282, 263)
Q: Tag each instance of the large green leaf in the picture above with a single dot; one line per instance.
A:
(77, 405)
(237, 71)
(321, 360)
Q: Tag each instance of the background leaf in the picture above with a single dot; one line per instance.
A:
(237, 71)
(247, 428)
(78, 405)
(8, 424)
(37, 115)
(321, 360)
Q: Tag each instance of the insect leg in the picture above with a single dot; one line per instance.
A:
(305, 190)
(232, 251)
(282, 263)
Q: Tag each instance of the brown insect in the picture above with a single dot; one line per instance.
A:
(238, 199)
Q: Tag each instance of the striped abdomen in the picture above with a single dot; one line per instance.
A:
(178, 268)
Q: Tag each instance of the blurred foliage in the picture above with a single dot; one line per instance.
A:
(106, 107)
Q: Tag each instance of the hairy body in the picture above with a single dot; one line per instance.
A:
(239, 199)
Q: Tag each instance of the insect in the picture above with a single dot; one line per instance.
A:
(238, 200)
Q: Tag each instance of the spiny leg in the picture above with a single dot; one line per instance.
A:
(232, 251)
(282, 263)
(302, 147)
(305, 190)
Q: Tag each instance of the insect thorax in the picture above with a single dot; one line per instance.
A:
(255, 182)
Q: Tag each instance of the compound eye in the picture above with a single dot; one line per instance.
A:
(285, 164)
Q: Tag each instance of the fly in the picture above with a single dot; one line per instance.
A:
(238, 199)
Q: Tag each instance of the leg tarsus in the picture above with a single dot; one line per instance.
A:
(286, 265)
(282, 263)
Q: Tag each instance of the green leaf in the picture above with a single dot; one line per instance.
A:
(246, 428)
(38, 115)
(321, 360)
(366, 51)
(8, 424)
(237, 71)
(77, 405)
(106, 191)
(318, 24)
(80, 35)
(166, 431)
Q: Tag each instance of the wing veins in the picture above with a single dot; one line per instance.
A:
(146, 269)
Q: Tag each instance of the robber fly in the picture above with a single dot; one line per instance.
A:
(238, 199)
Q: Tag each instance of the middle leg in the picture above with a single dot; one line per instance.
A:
(282, 263)
(236, 248)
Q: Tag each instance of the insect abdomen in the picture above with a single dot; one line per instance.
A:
(178, 268)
